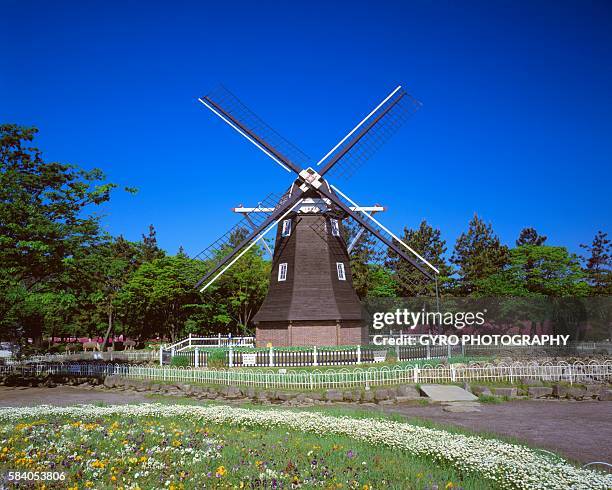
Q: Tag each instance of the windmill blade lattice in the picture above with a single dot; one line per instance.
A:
(233, 106)
(222, 246)
(360, 147)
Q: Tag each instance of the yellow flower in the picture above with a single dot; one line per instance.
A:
(366, 486)
(449, 485)
(176, 443)
(88, 484)
(113, 478)
(221, 471)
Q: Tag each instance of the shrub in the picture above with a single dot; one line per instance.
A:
(215, 358)
(180, 361)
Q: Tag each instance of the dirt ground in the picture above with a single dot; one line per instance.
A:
(581, 431)
(578, 430)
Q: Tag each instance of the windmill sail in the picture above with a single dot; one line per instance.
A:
(227, 106)
(214, 253)
(371, 133)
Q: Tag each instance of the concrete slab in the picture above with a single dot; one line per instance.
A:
(461, 407)
(447, 393)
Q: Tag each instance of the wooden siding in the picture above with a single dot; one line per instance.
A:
(312, 291)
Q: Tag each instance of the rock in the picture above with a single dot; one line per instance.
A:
(367, 396)
(404, 399)
(509, 392)
(387, 402)
(461, 407)
(231, 392)
(315, 396)
(333, 395)
(408, 391)
(250, 392)
(381, 394)
(466, 387)
(565, 391)
(530, 382)
(262, 396)
(539, 391)
(284, 396)
(593, 391)
(351, 396)
(155, 387)
(110, 381)
(605, 395)
(481, 390)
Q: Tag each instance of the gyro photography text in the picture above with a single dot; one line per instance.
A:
(485, 340)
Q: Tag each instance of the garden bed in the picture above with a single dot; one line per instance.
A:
(473, 462)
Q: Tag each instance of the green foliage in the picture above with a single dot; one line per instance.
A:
(180, 361)
(478, 254)
(216, 358)
(428, 243)
(598, 264)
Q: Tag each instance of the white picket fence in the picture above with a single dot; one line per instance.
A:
(577, 372)
(314, 356)
(193, 341)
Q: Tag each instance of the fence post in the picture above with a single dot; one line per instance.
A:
(231, 356)
(219, 341)
(453, 374)
(448, 351)
(416, 374)
(189, 339)
(271, 356)
(358, 354)
(197, 357)
(314, 356)
(397, 352)
(428, 351)
(161, 355)
(462, 348)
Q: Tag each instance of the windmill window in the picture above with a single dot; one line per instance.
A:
(335, 228)
(282, 272)
(286, 228)
(341, 273)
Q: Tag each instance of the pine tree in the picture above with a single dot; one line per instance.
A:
(428, 243)
(598, 264)
(529, 236)
(478, 254)
(150, 250)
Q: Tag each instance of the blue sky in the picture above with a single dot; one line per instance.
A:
(516, 121)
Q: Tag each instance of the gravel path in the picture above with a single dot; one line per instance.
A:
(581, 431)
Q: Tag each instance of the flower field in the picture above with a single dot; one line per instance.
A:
(185, 446)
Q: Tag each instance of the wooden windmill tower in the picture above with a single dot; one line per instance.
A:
(311, 299)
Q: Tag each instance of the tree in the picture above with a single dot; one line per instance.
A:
(529, 236)
(150, 250)
(478, 254)
(428, 243)
(240, 291)
(598, 264)
(160, 293)
(42, 220)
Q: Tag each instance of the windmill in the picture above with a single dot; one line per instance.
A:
(311, 299)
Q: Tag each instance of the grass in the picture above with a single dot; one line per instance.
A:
(151, 451)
